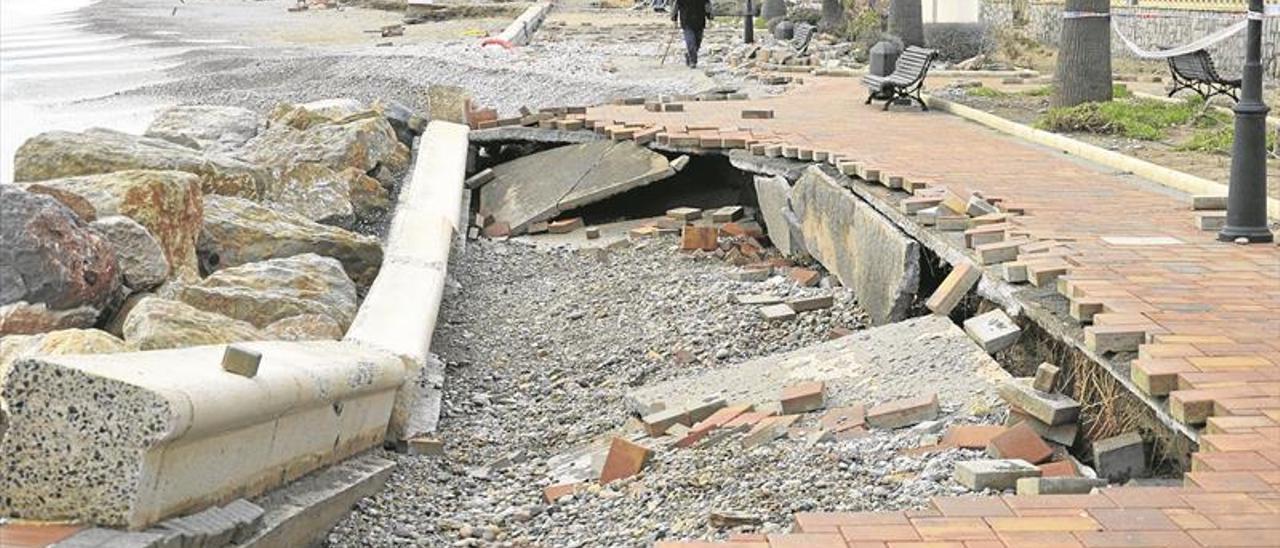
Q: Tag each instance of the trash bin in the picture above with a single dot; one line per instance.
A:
(883, 57)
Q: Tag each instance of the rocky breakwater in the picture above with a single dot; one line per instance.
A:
(215, 226)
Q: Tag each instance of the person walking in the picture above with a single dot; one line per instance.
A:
(692, 16)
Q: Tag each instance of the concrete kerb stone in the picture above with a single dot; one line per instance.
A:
(398, 314)
(214, 434)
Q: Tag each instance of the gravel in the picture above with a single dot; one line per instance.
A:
(542, 345)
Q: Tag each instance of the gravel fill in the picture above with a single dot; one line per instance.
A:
(541, 347)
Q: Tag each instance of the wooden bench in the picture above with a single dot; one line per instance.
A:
(1195, 71)
(906, 81)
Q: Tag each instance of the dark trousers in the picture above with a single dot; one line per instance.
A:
(692, 43)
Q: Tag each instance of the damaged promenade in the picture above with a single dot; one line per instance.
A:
(756, 313)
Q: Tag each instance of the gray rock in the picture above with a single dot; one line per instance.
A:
(49, 256)
(213, 128)
(156, 323)
(266, 291)
(238, 231)
(333, 136)
(141, 258)
(57, 154)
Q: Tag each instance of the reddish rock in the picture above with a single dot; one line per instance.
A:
(49, 255)
(1020, 442)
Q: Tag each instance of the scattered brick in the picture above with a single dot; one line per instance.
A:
(726, 214)
(993, 474)
(777, 313)
(558, 491)
(844, 418)
(837, 332)
(1060, 468)
(643, 232)
(479, 179)
(757, 299)
(1212, 220)
(592, 232)
(1120, 458)
(1051, 409)
(993, 331)
(767, 430)
(804, 277)
(698, 237)
(1062, 434)
(747, 420)
(625, 459)
(424, 446)
(1046, 377)
(1059, 485)
(953, 288)
(1104, 339)
(1209, 203)
(757, 114)
(658, 422)
(815, 302)
(971, 436)
(1019, 442)
(565, 226)
(906, 412)
(803, 398)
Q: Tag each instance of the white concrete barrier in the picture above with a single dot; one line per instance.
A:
(520, 32)
(125, 440)
(398, 314)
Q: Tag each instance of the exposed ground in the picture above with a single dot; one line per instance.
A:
(543, 345)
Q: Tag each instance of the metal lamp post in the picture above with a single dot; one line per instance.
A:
(748, 25)
(1247, 194)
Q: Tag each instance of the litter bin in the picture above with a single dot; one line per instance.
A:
(883, 57)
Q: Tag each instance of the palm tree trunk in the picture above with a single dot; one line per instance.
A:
(1084, 55)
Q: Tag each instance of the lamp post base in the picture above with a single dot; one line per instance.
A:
(1255, 235)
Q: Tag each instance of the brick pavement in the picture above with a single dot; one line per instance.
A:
(1206, 315)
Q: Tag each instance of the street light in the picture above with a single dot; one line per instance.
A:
(748, 25)
(1247, 193)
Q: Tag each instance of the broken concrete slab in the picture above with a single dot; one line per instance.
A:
(303, 512)
(994, 474)
(867, 252)
(774, 195)
(540, 186)
(866, 365)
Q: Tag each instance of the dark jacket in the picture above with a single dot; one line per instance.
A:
(692, 13)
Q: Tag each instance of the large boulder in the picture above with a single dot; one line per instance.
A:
(167, 203)
(49, 256)
(156, 323)
(263, 292)
(56, 343)
(329, 197)
(141, 258)
(363, 140)
(303, 327)
(57, 154)
(24, 318)
(206, 127)
(238, 231)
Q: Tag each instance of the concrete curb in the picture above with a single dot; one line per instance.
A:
(1161, 175)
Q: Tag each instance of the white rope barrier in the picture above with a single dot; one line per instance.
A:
(1202, 43)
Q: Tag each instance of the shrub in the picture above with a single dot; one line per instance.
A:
(865, 29)
(959, 41)
(985, 91)
(805, 14)
(1143, 119)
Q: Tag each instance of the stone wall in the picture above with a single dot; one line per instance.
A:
(1150, 28)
